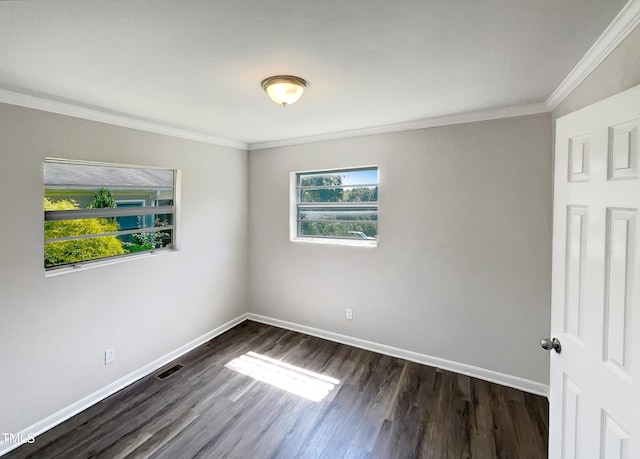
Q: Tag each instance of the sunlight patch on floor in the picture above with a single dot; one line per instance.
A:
(305, 383)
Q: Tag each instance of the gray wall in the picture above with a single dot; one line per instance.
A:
(618, 72)
(463, 266)
(54, 330)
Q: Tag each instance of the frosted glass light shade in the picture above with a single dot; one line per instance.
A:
(284, 89)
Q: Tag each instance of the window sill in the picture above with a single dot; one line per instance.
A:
(328, 241)
(99, 263)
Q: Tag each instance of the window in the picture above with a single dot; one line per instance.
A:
(94, 211)
(337, 205)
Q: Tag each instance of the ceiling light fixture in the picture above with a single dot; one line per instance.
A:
(284, 89)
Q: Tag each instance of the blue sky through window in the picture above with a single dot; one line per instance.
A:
(360, 177)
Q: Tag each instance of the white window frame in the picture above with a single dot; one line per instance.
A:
(293, 211)
(114, 212)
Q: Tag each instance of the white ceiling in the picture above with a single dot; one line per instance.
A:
(198, 64)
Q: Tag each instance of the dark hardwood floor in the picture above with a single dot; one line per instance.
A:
(384, 407)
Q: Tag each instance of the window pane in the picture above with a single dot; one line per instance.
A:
(344, 178)
(132, 221)
(69, 252)
(79, 176)
(342, 230)
(351, 194)
(140, 242)
(80, 227)
(338, 213)
(78, 250)
(144, 221)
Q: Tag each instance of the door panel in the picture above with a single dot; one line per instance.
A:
(594, 390)
(615, 440)
(620, 254)
(570, 417)
(575, 269)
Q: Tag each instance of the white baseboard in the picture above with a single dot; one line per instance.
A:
(462, 368)
(90, 400)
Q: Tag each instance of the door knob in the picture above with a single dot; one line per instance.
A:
(549, 344)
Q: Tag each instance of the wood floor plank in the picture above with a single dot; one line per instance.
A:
(383, 407)
(448, 430)
(402, 433)
(482, 438)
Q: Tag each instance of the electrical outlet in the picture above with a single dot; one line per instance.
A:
(349, 314)
(109, 356)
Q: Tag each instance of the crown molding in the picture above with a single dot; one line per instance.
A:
(91, 114)
(626, 20)
(448, 120)
(78, 111)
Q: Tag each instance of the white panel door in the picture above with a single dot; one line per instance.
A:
(595, 380)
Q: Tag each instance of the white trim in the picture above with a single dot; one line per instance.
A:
(78, 111)
(448, 120)
(90, 400)
(626, 20)
(334, 241)
(49, 159)
(503, 379)
(99, 262)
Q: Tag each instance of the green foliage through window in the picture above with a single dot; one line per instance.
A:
(338, 204)
(103, 199)
(76, 250)
(139, 242)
